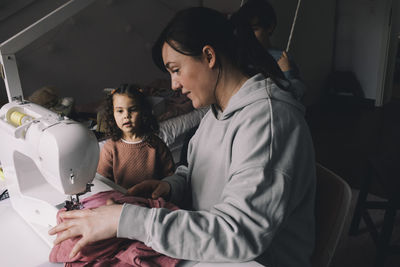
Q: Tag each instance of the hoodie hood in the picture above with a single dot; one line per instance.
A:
(254, 90)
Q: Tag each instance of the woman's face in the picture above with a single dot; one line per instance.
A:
(125, 114)
(195, 77)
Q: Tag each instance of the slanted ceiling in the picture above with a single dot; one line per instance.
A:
(110, 42)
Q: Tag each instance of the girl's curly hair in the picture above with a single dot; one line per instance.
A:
(147, 121)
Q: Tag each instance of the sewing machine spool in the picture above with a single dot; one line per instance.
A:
(18, 118)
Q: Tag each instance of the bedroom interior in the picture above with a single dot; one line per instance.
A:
(347, 54)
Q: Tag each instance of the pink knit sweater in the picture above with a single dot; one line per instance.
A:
(129, 164)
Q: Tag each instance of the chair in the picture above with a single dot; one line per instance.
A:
(381, 179)
(332, 202)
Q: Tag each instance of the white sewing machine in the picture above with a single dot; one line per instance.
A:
(45, 158)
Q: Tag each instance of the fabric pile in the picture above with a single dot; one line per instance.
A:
(114, 251)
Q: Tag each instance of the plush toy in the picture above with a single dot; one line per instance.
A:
(47, 97)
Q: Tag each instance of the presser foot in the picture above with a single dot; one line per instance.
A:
(73, 203)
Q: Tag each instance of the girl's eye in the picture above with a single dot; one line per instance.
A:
(175, 70)
(133, 109)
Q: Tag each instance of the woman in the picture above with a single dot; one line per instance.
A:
(250, 179)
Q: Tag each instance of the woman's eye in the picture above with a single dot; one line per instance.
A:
(175, 70)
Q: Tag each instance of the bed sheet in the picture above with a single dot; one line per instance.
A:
(172, 129)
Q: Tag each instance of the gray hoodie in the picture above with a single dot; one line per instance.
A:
(250, 181)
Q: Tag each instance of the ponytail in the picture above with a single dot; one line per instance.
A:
(252, 58)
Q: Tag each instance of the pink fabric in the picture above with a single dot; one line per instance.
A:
(119, 252)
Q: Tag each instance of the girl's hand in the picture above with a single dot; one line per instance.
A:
(283, 62)
(91, 224)
(151, 188)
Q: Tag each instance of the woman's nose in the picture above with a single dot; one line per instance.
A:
(175, 85)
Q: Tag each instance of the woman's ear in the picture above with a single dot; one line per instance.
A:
(209, 55)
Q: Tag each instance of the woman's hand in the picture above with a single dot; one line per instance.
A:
(283, 62)
(91, 224)
(151, 188)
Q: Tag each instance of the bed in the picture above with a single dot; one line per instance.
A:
(174, 130)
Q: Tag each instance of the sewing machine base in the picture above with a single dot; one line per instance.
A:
(40, 215)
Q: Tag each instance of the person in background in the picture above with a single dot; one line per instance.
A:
(133, 153)
(262, 18)
(250, 179)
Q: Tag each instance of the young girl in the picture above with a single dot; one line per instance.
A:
(133, 153)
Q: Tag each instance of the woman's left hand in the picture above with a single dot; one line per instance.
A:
(91, 224)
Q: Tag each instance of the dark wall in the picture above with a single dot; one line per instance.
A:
(110, 41)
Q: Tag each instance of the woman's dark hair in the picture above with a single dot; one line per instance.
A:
(148, 124)
(193, 28)
(261, 10)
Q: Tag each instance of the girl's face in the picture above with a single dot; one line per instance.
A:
(262, 34)
(125, 114)
(195, 77)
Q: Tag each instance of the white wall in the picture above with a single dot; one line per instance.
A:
(392, 53)
(360, 40)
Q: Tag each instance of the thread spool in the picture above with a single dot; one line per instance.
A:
(18, 118)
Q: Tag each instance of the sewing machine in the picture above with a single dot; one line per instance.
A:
(45, 158)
